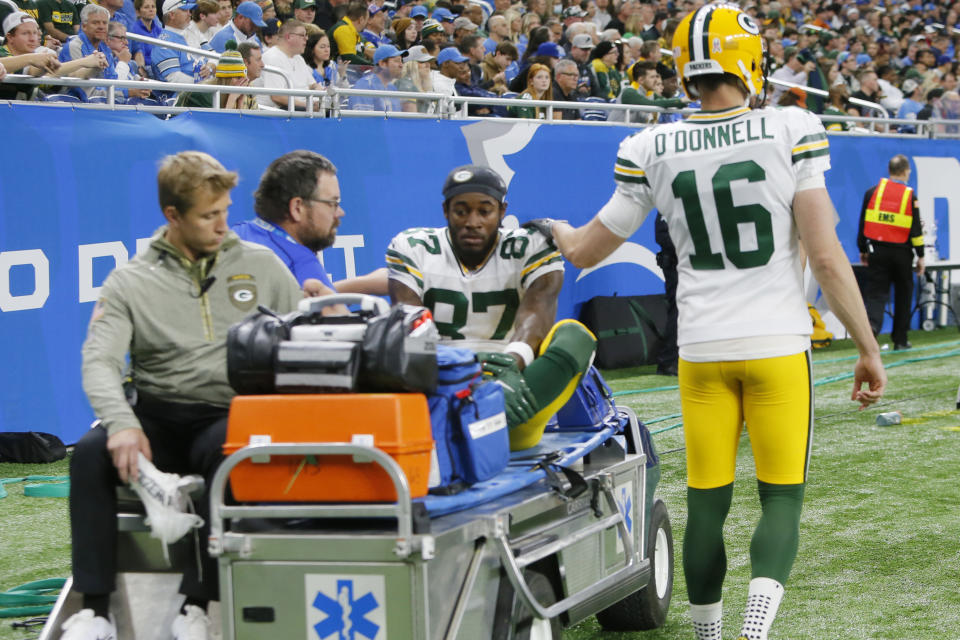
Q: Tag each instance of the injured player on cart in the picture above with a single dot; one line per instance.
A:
(495, 291)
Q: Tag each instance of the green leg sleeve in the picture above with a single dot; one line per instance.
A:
(704, 556)
(566, 357)
(774, 545)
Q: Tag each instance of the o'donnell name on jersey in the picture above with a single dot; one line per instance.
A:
(707, 137)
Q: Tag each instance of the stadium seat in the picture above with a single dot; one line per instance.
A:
(595, 115)
(62, 97)
(146, 102)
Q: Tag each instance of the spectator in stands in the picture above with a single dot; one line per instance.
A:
(231, 72)
(305, 10)
(173, 65)
(556, 29)
(648, 92)
(603, 59)
(287, 54)
(566, 77)
(387, 68)
(417, 77)
(793, 97)
(375, 31)
(226, 12)
(445, 17)
(146, 24)
(326, 15)
(848, 70)
(406, 34)
(499, 30)
(345, 40)
(270, 33)
(571, 15)
(931, 109)
(452, 66)
(892, 96)
(317, 56)
(91, 39)
(869, 90)
(463, 26)
(627, 9)
(602, 16)
(432, 36)
(418, 14)
(537, 36)
(474, 12)
(268, 9)
(203, 24)
(473, 48)
(528, 23)
(494, 67)
(59, 18)
(547, 53)
(242, 28)
(126, 66)
(794, 70)
(838, 105)
(252, 59)
(539, 87)
(911, 104)
(22, 53)
(587, 84)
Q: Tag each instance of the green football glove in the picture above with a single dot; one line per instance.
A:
(518, 400)
(494, 363)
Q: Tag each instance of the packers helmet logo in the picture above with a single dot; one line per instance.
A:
(242, 292)
(462, 176)
(747, 23)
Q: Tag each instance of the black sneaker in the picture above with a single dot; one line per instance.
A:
(902, 347)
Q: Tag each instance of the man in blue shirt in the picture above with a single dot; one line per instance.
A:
(298, 212)
(242, 28)
(92, 38)
(173, 65)
(387, 67)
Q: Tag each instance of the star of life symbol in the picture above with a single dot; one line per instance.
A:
(345, 607)
(623, 494)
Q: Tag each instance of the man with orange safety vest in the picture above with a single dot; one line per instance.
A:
(890, 233)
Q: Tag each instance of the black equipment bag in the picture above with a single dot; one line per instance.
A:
(32, 447)
(629, 329)
(400, 351)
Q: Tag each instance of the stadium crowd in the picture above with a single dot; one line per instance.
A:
(897, 55)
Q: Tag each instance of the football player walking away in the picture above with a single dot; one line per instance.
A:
(739, 188)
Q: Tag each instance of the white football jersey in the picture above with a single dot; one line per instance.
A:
(477, 307)
(725, 183)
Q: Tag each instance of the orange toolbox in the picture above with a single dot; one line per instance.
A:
(399, 424)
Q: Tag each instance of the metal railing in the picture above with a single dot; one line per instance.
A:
(330, 102)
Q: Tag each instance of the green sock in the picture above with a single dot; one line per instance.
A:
(704, 556)
(775, 541)
(567, 356)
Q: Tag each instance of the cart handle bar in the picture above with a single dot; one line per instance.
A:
(514, 567)
(401, 510)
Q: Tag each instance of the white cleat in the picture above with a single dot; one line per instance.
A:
(83, 625)
(166, 497)
(192, 625)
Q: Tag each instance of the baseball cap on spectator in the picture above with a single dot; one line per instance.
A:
(799, 93)
(909, 86)
(16, 19)
(431, 26)
(419, 11)
(373, 8)
(451, 54)
(929, 7)
(272, 28)
(418, 54)
(464, 23)
(917, 7)
(230, 64)
(787, 43)
(550, 49)
(305, 4)
(913, 74)
(944, 59)
(474, 178)
(385, 51)
(582, 41)
(842, 57)
(172, 5)
(265, 5)
(252, 10)
(806, 55)
(573, 11)
(442, 14)
(935, 93)
(864, 58)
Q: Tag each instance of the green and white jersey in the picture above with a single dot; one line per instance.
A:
(725, 183)
(479, 306)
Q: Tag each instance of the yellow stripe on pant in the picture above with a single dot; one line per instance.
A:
(774, 396)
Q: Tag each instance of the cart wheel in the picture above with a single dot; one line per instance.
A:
(929, 325)
(647, 608)
(526, 625)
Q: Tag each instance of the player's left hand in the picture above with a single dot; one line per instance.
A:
(494, 363)
(518, 400)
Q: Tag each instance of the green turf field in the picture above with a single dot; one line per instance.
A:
(879, 550)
